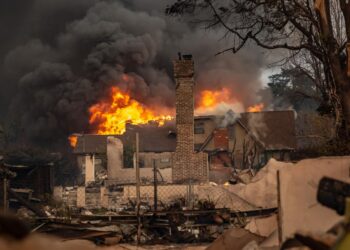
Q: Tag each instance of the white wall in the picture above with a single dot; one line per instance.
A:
(118, 174)
(114, 157)
(89, 168)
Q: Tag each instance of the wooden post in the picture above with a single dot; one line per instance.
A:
(190, 197)
(138, 189)
(155, 185)
(137, 170)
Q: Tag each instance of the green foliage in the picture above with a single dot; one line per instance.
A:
(293, 86)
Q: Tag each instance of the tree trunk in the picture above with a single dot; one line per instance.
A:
(346, 111)
(339, 72)
(343, 91)
(345, 77)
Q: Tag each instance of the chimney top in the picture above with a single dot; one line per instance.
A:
(187, 57)
(184, 66)
(184, 57)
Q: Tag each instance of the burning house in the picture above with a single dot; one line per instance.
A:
(111, 158)
(171, 148)
(192, 148)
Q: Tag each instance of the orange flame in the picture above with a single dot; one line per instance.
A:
(210, 98)
(216, 101)
(256, 108)
(73, 140)
(112, 117)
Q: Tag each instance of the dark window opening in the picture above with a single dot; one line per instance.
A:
(199, 128)
(141, 163)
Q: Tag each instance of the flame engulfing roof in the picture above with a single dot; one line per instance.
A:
(275, 130)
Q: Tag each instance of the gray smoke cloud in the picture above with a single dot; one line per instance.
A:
(65, 56)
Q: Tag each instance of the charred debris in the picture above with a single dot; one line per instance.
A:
(24, 182)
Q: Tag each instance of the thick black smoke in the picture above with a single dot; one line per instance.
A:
(63, 56)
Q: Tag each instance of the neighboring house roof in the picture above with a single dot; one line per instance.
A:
(275, 130)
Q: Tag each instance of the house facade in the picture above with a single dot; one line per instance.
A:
(249, 142)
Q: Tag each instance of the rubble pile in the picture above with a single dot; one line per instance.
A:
(249, 215)
(79, 213)
(261, 191)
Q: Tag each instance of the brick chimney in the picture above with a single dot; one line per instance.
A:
(187, 163)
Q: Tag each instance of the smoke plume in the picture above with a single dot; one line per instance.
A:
(64, 56)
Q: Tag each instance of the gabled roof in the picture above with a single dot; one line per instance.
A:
(275, 130)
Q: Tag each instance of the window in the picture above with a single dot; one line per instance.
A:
(142, 162)
(199, 128)
(128, 156)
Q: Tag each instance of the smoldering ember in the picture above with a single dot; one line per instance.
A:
(175, 124)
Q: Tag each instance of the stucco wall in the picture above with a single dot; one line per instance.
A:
(161, 160)
(89, 168)
(117, 174)
(114, 157)
(86, 164)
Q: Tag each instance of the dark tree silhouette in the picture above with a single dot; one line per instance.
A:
(310, 30)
